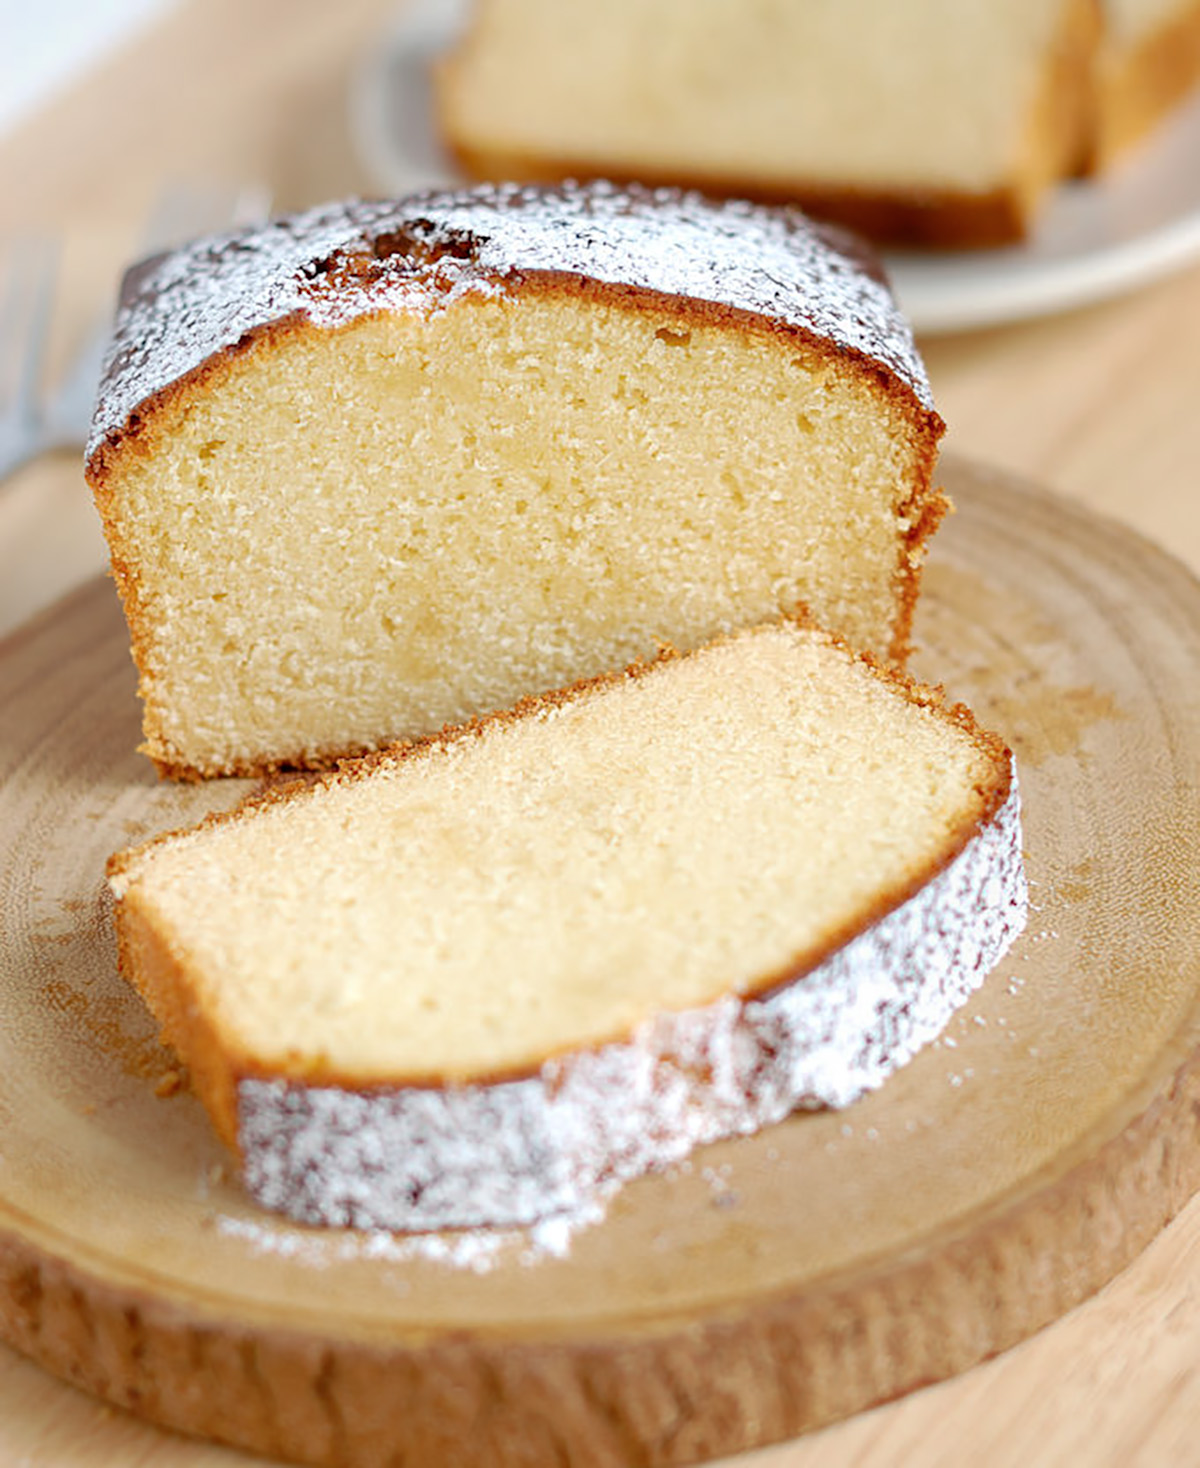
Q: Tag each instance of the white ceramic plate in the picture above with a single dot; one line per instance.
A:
(1095, 239)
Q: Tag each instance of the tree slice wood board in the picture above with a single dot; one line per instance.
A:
(766, 1287)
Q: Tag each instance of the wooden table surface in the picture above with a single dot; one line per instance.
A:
(1098, 404)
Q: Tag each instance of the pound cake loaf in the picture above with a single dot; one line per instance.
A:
(382, 467)
(469, 981)
(932, 122)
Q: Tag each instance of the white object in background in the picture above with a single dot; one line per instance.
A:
(44, 46)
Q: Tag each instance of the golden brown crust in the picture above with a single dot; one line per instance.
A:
(924, 513)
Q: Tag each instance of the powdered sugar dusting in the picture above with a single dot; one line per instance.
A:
(509, 1154)
(423, 253)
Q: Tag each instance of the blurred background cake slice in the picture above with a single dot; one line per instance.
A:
(471, 981)
(928, 122)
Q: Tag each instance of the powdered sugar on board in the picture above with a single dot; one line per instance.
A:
(509, 1154)
(424, 252)
(475, 1250)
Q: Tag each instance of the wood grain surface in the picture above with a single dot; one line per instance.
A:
(1097, 405)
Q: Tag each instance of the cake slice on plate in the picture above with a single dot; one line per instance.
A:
(470, 981)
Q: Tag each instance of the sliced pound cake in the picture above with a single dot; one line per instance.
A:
(932, 122)
(387, 466)
(928, 122)
(467, 981)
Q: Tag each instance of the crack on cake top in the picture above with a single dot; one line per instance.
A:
(418, 245)
(344, 260)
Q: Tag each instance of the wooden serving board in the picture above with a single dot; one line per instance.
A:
(770, 1285)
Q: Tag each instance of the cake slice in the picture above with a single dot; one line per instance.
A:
(932, 122)
(382, 467)
(468, 981)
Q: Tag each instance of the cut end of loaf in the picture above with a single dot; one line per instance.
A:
(498, 442)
